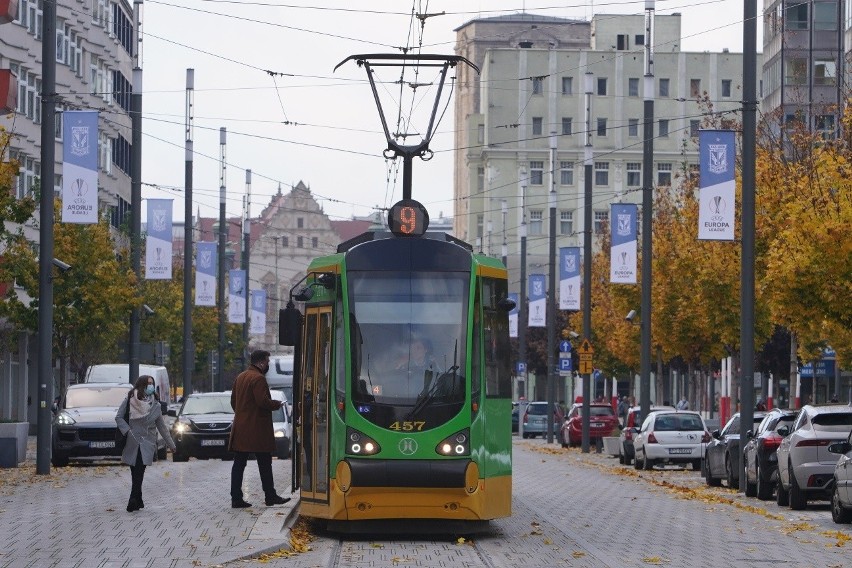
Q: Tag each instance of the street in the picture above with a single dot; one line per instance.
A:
(569, 509)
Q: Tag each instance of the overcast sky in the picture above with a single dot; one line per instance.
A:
(262, 64)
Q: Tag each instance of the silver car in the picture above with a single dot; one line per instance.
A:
(805, 466)
(841, 497)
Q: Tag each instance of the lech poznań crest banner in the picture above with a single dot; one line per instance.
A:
(622, 263)
(569, 278)
(205, 274)
(80, 166)
(538, 308)
(513, 315)
(237, 287)
(717, 202)
(158, 243)
(257, 326)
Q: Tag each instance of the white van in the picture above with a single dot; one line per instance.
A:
(120, 373)
(280, 374)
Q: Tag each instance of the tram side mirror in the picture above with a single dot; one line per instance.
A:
(327, 280)
(506, 304)
(290, 325)
(304, 295)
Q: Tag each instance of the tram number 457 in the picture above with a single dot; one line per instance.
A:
(408, 426)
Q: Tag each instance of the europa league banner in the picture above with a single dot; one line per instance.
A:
(538, 308)
(513, 315)
(622, 260)
(237, 296)
(569, 278)
(205, 274)
(257, 326)
(79, 166)
(158, 244)
(717, 206)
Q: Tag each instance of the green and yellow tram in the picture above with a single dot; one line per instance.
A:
(402, 380)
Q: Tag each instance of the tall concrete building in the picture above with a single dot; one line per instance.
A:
(531, 93)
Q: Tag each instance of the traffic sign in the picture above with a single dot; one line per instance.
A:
(564, 346)
(565, 364)
(586, 347)
(586, 367)
(521, 366)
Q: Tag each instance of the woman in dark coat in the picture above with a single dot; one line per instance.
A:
(145, 420)
(252, 430)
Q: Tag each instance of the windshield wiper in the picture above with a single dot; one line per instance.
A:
(426, 398)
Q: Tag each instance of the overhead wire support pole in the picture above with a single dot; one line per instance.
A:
(246, 264)
(748, 223)
(188, 349)
(587, 260)
(45, 257)
(407, 151)
(136, 187)
(647, 213)
(551, 294)
(223, 231)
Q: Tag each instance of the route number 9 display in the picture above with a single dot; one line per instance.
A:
(408, 218)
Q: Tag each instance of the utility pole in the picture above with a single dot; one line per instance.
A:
(647, 213)
(587, 257)
(522, 312)
(748, 222)
(136, 186)
(188, 349)
(504, 250)
(223, 231)
(45, 256)
(245, 263)
(551, 294)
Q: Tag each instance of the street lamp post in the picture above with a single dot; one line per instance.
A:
(587, 254)
(223, 231)
(551, 294)
(522, 312)
(647, 206)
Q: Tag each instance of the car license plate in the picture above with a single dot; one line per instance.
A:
(104, 444)
(212, 442)
(680, 450)
(597, 425)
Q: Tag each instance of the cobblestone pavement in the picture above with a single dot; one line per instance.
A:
(569, 509)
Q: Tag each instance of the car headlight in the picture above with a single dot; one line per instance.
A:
(456, 445)
(279, 434)
(360, 444)
(181, 427)
(64, 419)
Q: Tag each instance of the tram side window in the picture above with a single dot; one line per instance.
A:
(496, 347)
(476, 356)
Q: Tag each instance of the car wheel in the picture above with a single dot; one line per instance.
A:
(627, 459)
(782, 497)
(798, 501)
(732, 481)
(696, 465)
(839, 514)
(58, 460)
(763, 489)
(636, 463)
(162, 453)
(285, 453)
(708, 475)
(647, 463)
(621, 458)
(525, 436)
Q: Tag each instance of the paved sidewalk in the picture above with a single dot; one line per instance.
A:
(76, 517)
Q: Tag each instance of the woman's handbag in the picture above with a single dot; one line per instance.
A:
(121, 439)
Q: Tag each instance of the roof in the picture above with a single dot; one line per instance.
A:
(521, 17)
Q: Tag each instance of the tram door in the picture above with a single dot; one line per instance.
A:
(314, 407)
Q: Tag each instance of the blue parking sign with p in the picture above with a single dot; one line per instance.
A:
(521, 367)
(565, 364)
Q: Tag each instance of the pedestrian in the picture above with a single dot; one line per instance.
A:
(622, 409)
(252, 432)
(144, 420)
(683, 404)
(760, 405)
(834, 399)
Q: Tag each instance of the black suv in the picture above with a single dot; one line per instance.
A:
(202, 426)
(761, 462)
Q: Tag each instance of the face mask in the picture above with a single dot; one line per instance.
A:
(149, 389)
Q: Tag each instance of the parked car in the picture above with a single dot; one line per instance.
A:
(202, 426)
(515, 418)
(625, 438)
(535, 420)
(282, 425)
(670, 436)
(602, 423)
(120, 373)
(761, 461)
(841, 497)
(805, 466)
(84, 424)
(722, 455)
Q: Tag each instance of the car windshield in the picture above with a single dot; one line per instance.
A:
(95, 397)
(278, 415)
(597, 411)
(677, 422)
(829, 419)
(208, 405)
(537, 409)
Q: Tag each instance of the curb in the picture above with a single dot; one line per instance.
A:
(271, 532)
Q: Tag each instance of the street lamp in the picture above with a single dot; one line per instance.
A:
(587, 253)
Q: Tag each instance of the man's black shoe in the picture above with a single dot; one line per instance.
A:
(276, 500)
(239, 504)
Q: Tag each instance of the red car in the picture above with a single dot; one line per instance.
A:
(602, 423)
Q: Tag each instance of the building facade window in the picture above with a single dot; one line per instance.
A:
(567, 85)
(536, 222)
(480, 134)
(300, 242)
(601, 173)
(536, 173)
(480, 223)
(122, 29)
(726, 88)
(664, 88)
(796, 16)
(633, 87)
(314, 242)
(825, 72)
(537, 85)
(601, 221)
(121, 154)
(29, 170)
(300, 222)
(639, 39)
(824, 125)
(480, 179)
(101, 13)
(566, 173)
(664, 128)
(537, 122)
(633, 127)
(795, 71)
(105, 153)
(695, 88)
(601, 91)
(664, 174)
(601, 127)
(566, 222)
(285, 241)
(694, 126)
(634, 174)
(567, 124)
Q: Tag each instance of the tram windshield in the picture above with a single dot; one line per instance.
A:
(408, 345)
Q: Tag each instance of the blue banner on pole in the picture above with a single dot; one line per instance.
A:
(717, 202)
(158, 244)
(205, 274)
(79, 166)
(513, 315)
(237, 286)
(538, 308)
(569, 278)
(258, 312)
(622, 265)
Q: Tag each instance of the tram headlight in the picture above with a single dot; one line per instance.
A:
(359, 444)
(456, 445)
